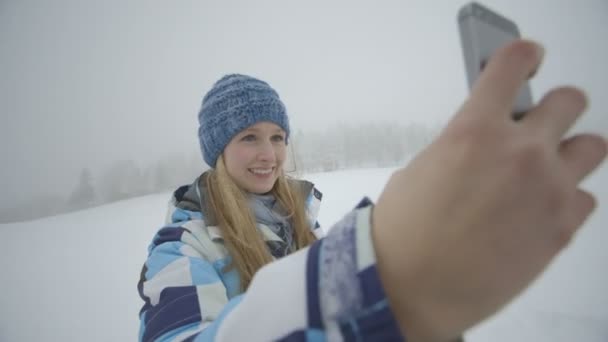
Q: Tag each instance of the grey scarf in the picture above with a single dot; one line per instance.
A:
(269, 212)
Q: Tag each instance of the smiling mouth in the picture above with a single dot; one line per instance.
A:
(262, 171)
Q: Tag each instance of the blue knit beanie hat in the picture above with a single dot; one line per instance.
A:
(234, 103)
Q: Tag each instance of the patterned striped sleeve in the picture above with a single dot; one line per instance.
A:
(328, 292)
(184, 291)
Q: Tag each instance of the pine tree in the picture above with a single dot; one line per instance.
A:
(83, 195)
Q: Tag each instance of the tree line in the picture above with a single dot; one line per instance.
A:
(347, 146)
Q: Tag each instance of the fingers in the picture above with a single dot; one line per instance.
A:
(585, 204)
(494, 93)
(557, 112)
(582, 206)
(582, 154)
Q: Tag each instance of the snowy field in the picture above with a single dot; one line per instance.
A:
(73, 277)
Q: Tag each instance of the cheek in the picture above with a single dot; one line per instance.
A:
(281, 154)
(236, 159)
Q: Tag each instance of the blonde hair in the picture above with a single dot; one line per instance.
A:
(242, 239)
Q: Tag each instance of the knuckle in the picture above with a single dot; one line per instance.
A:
(468, 132)
(530, 158)
(555, 202)
(468, 139)
(563, 237)
(521, 51)
(567, 220)
(566, 228)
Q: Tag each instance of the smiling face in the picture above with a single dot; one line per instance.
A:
(254, 158)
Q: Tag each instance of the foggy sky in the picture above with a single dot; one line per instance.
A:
(84, 83)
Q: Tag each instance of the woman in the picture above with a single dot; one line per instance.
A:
(234, 219)
(454, 236)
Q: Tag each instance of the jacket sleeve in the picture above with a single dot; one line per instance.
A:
(328, 291)
(181, 287)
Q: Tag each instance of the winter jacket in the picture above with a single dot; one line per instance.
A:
(329, 291)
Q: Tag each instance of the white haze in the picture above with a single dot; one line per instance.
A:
(86, 83)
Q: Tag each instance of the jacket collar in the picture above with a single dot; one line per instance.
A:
(190, 202)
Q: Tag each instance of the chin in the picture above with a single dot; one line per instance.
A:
(261, 188)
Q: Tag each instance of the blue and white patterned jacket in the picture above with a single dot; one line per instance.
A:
(329, 291)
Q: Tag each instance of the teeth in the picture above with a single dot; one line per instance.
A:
(261, 171)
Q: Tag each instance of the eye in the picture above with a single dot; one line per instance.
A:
(248, 137)
(278, 138)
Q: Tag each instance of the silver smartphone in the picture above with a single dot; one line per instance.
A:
(482, 32)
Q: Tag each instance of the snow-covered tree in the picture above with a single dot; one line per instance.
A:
(83, 195)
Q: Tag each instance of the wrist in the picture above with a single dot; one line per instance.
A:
(419, 317)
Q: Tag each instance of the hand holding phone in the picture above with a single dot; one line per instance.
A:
(482, 32)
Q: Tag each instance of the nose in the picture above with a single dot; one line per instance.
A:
(266, 152)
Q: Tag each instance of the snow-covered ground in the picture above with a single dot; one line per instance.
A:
(73, 277)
